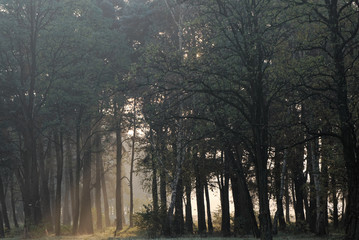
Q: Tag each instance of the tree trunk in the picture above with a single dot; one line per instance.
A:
(12, 200)
(175, 181)
(86, 225)
(98, 163)
(280, 173)
(59, 164)
(209, 216)
(119, 204)
(242, 200)
(237, 204)
(76, 208)
(320, 225)
(2, 232)
(348, 128)
(335, 201)
(70, 180)
(3, 206)
(105, 199)
(199, 196)
(163, 195)
(132, 162)
(298, 181)
(224, 193)
(30, 179)
(287, 198)
(154, 186)
(325, 186)
(189, 219)
(178, 225)
(261, 158)
(311, 215)
(66, 217)
(45, 154)
(52, 188)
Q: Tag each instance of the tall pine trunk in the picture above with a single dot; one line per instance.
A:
(224, 193)
(98, 163)
(58, 141)
(208, 207)
(132, 162)
(2, 231)
(178, 223)
(279, 184)
(320, 217)
(105, 198)
(12, 200)
(119, 204)
(76, 208)
(163, 195)
(86, 225)
(333, 184)
(244, 210)
(68, 197)
(189, 219)
(70, 182)
(3, 206)
(201, 215)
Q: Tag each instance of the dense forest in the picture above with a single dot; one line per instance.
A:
(255, 99)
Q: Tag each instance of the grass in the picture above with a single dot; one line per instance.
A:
(136, 234)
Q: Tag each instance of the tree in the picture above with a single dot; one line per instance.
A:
(335, 37)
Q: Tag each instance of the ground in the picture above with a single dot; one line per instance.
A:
(135, 234)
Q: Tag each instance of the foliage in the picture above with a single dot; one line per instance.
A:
(148, 221)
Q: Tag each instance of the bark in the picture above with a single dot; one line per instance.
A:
(244, 212)
(98, 163)
(45, 154)
(189, 219)
(13, 205)
(261, 157)
(224, 195)
(154, 186)
(299, 183)
(237, 204)
(209, 216)
(52, 188)
(31, 196)
(335, 201)
(178, 223)
(3, 206)
(340, 40)
(280, 173)
(132, 163)
(76, 208)
(320, 224)
(86, 225)
(2, 232)
(175, 181)
(119, 204)
(70, 182)
(199, 196)
(163, 195)
(259, 123)
(311, 215)
(58, 141)
(287, 199)
(66, 217)
(105, 199)
(324, 192)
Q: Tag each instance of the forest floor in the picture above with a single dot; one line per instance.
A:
(135, 234)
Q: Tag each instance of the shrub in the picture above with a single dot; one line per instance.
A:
(148, 221)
